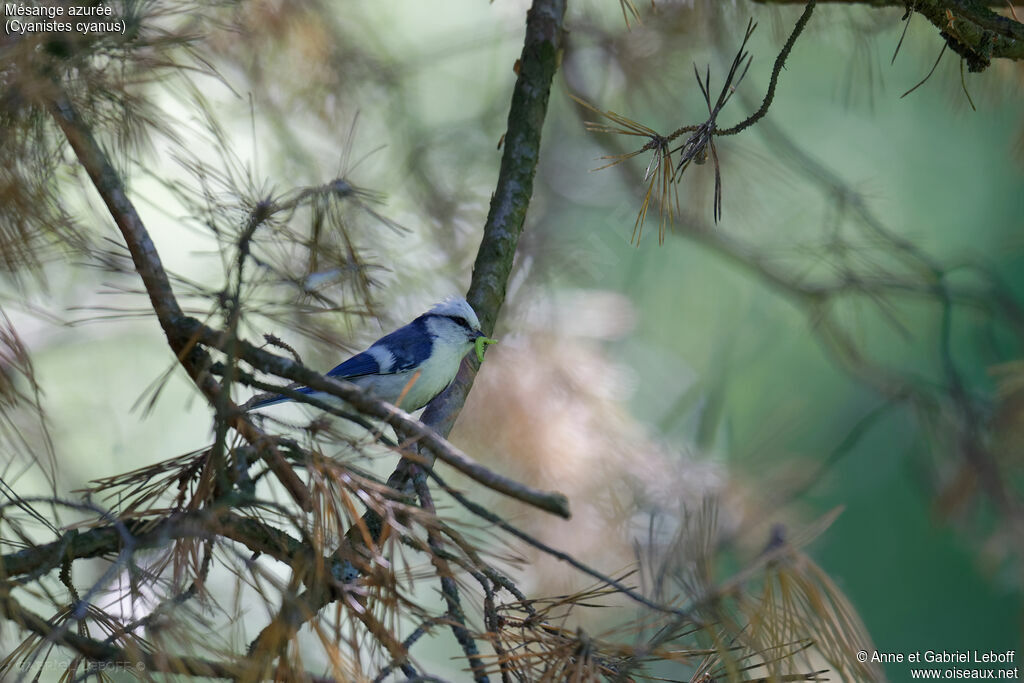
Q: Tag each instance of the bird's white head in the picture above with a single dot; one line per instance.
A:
(458, 310)
(453, 321)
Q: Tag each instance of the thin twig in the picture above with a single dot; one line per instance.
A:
(780, 63)
(449, 589)
(907, 16)
(484, 513)
(930, 72)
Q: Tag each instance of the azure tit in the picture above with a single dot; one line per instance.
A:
(413, 364)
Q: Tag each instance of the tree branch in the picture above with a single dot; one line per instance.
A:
(969, 27)
(537, 66)
(147, 533)
(147, 263)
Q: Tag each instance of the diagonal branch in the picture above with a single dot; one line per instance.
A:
(542, 49)
(147, 263)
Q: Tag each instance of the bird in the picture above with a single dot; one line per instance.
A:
(411, 365)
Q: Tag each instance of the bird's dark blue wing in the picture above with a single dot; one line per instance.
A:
(410, 346)
(356, 366)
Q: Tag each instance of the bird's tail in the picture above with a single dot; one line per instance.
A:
(270, 399)
(262, 401)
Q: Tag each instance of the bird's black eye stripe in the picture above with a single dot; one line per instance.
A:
(459, 320)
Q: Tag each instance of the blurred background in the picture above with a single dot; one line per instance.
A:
(845, 336)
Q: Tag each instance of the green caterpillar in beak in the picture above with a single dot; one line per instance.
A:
(481, 343)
